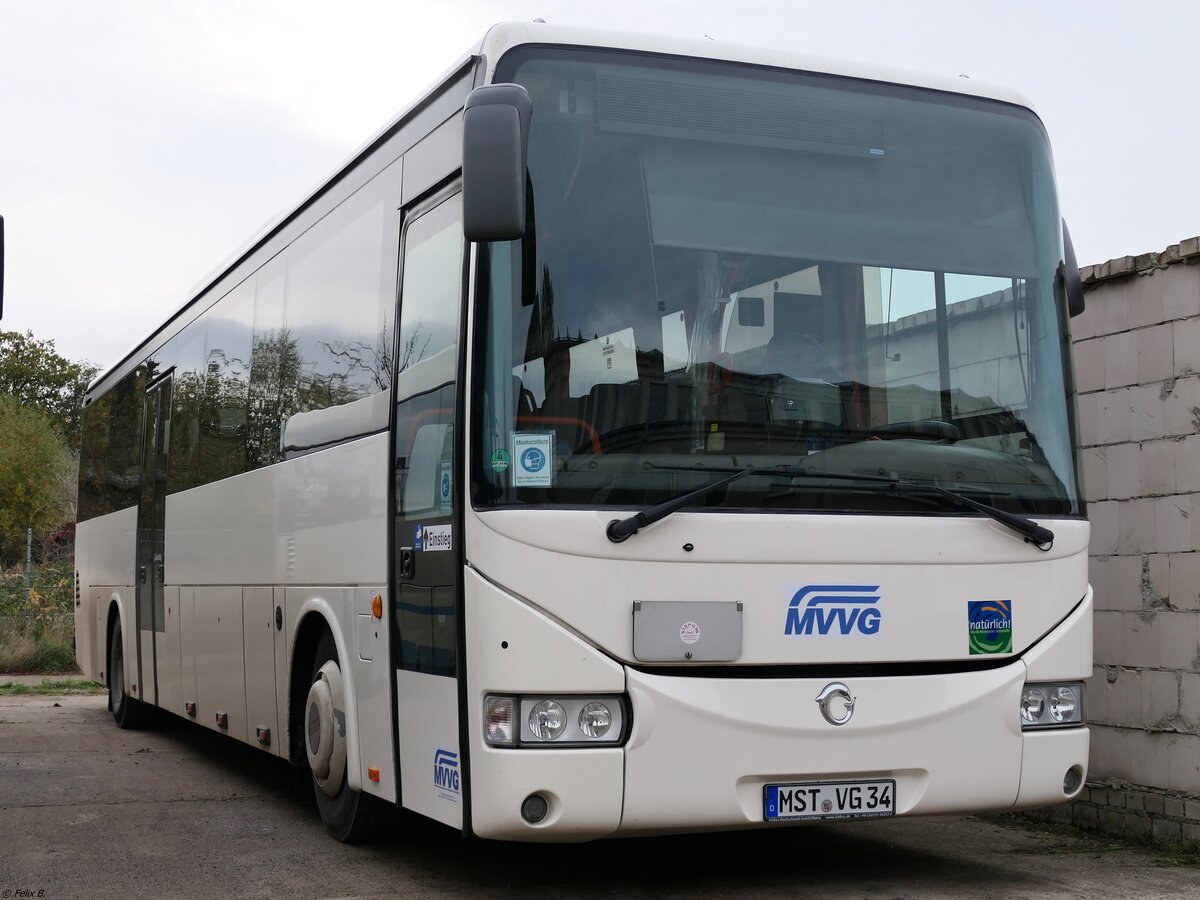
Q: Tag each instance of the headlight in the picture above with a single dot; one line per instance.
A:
(1064, 704)
(595, 719)
(1033, 704)
(547, 720)
(559, 721)
(1052, 705)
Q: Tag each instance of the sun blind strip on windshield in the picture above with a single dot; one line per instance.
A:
(702, 112)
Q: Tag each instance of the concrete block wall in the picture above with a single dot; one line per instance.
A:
(1137, 372)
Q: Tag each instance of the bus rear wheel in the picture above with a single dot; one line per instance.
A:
(127, 712)
(350, 816)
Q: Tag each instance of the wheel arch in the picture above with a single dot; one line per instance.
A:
(117, 615)
(316, 617)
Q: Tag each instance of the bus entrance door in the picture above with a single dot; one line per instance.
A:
(151, 516)
(428, 550)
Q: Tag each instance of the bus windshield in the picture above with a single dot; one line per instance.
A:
(727, 266)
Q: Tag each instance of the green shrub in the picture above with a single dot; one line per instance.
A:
(53, 590)
(38, 636)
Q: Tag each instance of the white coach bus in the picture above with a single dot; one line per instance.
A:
(635, 436)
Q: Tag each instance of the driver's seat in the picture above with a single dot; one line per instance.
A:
(801, 355)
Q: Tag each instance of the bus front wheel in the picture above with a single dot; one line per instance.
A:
(349, 815)
(127, 712)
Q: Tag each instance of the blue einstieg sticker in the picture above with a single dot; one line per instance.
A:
(428, 538)
(989, 626)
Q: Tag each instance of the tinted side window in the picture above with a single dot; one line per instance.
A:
(311, 330)
(187, 398)
(110, 449)
(125, 441)
(337, 312)
(274, 368)
(93, 449)
(226, 378)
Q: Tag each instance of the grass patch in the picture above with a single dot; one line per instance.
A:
(1071, 839)
(58, 687)
(1180, 855)
(1077, 840)
(45, 654)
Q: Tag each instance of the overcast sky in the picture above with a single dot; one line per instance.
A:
(143, 141)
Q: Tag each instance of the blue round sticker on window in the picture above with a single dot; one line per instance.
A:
(533, 459)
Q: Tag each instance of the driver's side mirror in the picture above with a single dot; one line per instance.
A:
(1071, 282)
(495, 142)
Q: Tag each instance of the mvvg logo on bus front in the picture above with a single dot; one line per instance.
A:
(838, 610)
(445, 773)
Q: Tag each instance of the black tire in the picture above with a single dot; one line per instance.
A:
(350, 816)
(127, 712)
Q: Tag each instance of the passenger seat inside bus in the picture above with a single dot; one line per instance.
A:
(524, 403)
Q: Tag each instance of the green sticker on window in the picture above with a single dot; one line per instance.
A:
(500, 460)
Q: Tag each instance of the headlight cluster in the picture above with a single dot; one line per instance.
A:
(558, 721)
(1052, 705)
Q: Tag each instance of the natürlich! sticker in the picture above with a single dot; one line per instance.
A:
(989, 626)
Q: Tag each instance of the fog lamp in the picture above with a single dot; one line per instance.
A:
(534, 808)
(1072, 780)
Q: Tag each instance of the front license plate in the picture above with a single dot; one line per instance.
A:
(829, 800)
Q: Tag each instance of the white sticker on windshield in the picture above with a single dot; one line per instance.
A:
(609, 359)
(532, 460)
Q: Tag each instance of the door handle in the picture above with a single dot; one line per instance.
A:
(408, 563)
(159, 567)
(142, 574)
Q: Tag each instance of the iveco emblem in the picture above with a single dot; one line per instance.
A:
(837, 705)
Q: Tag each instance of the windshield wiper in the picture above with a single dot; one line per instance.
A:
(1034, 533)
(619, 529)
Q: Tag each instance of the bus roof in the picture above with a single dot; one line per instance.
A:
(507, 35)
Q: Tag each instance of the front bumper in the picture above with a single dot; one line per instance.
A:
(702, 749)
